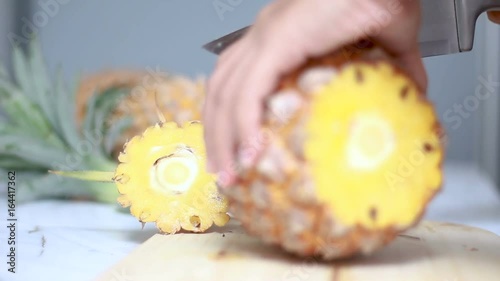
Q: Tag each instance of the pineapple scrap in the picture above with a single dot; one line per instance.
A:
(162, 177)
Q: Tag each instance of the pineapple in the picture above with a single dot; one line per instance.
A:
(178, 98)
(348, 157)
(162, 177)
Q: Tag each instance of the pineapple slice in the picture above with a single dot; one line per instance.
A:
(162, 177)
(352, 155)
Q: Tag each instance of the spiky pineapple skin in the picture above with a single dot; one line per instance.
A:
(176, 97)
(281, 202)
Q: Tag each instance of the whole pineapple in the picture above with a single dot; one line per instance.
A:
(175, 97)
(350, 155)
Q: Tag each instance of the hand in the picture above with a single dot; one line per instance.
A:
(285, 34)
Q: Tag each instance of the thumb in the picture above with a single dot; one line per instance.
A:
(494, 16)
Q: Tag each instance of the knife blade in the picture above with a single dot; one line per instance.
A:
(220, 44)
(447, 27)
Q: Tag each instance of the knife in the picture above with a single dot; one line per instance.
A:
(447, 27)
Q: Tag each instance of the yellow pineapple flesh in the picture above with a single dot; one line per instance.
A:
(349, 157)
(162, 177)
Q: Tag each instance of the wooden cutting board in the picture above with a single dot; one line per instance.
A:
(430, 252)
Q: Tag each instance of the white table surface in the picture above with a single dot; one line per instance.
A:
(77, 241)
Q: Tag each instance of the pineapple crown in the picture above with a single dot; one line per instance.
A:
(38, 130)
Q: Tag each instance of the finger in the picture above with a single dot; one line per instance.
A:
(494, 16)
(225, 65)
(412, 63)
(215, 84)
(206, 117)
(209, 108)
(223, 132)
(248, 116)
(400, 39)
(260, 82)
(232, 52)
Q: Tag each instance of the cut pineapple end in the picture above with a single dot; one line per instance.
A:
(162, 178)
(373, 116)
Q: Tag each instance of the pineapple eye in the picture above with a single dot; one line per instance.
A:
(428, 147)
(373, 213)
(360, 78)
(195, 221)
(404, 92)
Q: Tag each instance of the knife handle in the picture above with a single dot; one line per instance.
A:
(467, 13)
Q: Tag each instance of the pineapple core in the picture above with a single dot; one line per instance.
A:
(371, 141)
(175, 173)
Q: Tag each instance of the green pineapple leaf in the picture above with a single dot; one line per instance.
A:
(12, 162)
(41, 84)
(114, 132)
(29, 149)
(65, 101)
(21, 111)
(21, 74)
(104, 105)
(28, 188)
(88, 121)
(4, 74)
